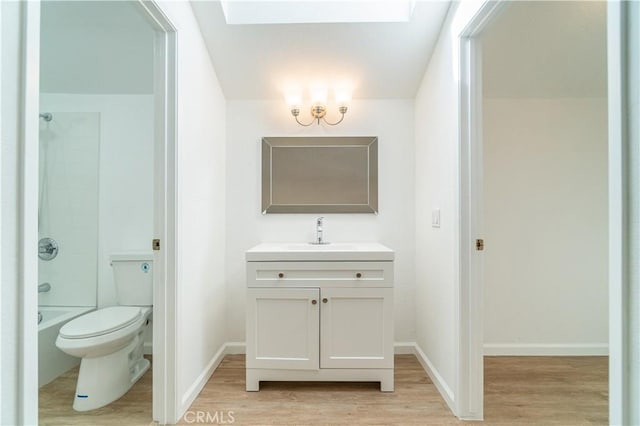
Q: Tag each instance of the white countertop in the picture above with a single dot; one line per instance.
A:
(285, 252)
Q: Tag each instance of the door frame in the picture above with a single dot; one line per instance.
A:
(28, 157)
(165, 400)
(470, 397)
(623, 19)
(165, 295)
(470, 350)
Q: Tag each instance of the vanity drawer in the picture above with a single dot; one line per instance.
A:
(319, 274)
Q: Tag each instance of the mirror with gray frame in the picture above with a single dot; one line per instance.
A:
(320, 175)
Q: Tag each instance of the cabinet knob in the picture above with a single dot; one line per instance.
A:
(358, 275)
(325, 300)
(280, 275)
(314, 301)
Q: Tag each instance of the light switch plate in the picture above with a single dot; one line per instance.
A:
(435, 218)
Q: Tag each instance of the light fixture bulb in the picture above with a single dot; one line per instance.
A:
(318, 95)
(293, 99)
(343, 97)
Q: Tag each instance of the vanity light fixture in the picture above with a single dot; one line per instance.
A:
(319, 106)
(318, 111)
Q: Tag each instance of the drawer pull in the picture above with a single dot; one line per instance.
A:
(314, 301)
(280, 275)
(325, 300)
(358, 275)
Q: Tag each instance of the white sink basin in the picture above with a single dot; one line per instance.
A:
(322, 247)
(283, 252)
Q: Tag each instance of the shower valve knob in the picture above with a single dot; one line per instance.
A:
(47, 248)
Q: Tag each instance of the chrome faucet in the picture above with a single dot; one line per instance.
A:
(44, 287)
(319, 232)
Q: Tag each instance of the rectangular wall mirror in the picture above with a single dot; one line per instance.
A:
(320, 175)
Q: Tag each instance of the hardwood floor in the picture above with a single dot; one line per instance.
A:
(518, 390)
(546, 390)
(415, 400)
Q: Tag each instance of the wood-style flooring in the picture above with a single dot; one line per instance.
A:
(546, 390)
(518, 390)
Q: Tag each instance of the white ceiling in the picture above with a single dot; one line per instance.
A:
(547, 49)
(379, 60)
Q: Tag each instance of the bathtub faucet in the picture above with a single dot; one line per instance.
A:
(44, 287)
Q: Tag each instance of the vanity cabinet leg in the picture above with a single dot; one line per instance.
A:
(386, 384)
(253, 383)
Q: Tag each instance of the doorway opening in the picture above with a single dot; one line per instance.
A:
(545, 206)
(534, 188)
(107, 181)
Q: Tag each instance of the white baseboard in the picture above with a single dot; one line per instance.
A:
(404, 348)
(546, 349)
(235, 348)
(194, 390)
(436, 378)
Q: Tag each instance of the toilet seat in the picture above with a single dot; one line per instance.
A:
(101, 322)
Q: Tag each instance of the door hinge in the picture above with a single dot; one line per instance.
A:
(155, 244)
(479, 244)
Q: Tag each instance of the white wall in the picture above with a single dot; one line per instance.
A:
(200, 308)
(545, 224)
(436, 181)
(95, 47)
(391, 121)
(437, 187)
(125, 219)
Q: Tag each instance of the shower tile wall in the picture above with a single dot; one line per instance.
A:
(68, 213)
(126, 161)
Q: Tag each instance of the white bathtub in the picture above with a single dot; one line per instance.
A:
(52, 362)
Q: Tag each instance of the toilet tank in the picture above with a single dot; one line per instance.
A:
(133, 277)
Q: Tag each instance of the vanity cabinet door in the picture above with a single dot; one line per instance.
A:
(356, 329)
(283, 328)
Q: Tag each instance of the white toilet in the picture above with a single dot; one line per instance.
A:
(110, 340)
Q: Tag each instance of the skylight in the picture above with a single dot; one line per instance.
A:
(238, 12)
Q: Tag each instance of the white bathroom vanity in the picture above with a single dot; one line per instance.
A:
(319, 313)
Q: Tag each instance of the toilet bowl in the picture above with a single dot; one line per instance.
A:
(110, 340)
